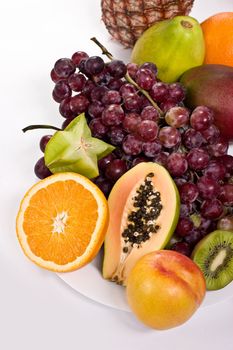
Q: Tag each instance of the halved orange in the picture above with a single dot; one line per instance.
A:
(62, 221)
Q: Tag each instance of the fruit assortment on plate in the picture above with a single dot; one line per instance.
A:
(141, 162)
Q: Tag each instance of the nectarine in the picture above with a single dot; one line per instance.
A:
(165, 288)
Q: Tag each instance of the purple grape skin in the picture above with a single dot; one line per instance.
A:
(227, 161)
(201, 118)
(215, 170)
(177, 117)
(193, 237)
(147, 130)
(188, 192)
(186, 209)
(65, 110)
(182, 248)
(132, 102)
(176, 92)
(131, 145)
(103, 162)
(161, 158)
(104, 185)
(145, 78)
(113, 115)
(55, 78)
(127, 89)
(208, 187)
(98, 129)
(61, 91)
(226, 194)
(151, 66)
(116, 135)
(117, 68)
(159, 92)
(131, 122)
(43, 142)
(115, 169)
(64, 67)
(198, 159)
(79, 104)
(138, 160)
(66, 122)
(115, 84)
(167, 105)
(95, 109)
(218, 148)
(169, 136)
(132, 69)
(192, 139)
(76, 81)
(94, 65)
(79, 56)
(151, 149)
(111, 97)
(184, 227)
(97, 93)
(211, 134)
(211, 209)
(150, 113)
(41, 169)
(87, 89)
(177, 165)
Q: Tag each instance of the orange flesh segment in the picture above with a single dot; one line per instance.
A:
(64, 242)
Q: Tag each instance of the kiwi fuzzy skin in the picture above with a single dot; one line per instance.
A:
(206, 251)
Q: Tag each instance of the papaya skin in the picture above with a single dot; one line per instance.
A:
(174, 45)
(114, 263)
(211, 85)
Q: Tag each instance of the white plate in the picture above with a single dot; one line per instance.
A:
(88, 280)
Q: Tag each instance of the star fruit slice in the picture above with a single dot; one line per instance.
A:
(75, 150)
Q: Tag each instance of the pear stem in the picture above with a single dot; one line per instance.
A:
(38, 126)
(127, 77)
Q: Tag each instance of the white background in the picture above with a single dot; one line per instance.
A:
(37, 310)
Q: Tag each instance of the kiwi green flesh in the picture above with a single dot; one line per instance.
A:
(214, 255)
(75, 150)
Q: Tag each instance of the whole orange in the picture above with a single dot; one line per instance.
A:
(218, 34)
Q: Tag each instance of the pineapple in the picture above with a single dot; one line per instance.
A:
(126, 20)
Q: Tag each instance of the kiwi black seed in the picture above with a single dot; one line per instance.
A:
(214, 255)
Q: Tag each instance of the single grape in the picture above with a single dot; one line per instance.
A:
(215, 170)
(76, 81)
(167, 105)
(98, 92)
(179, 181)
(95, 109)
(111, 97)
(226, 223)
(208, 187)
(65, 110)
(201, 118)
(182, 248)
(159, 92)
(162, 158)
(227, 161)
(132, 69)
(151, 149)
(169, 136)
(177, 165)
(198, 159)
(104, 185)
(113, 115)
(150, 113)
(98, 129)
(79, 56)
(145, 78)
(151, 66)
(55, 78)
(188, 192)
(177, 117)
(61, 91)
(211, 133)
(64, 67)
(184, 227)
(176, 92)
(127, 89)
(41, 169)
(43, 142)
(218, 148)
(103, 162)
(133, 103)
(115, 84)
(131, 145)
(94, 65)
(147, 130)
(88, 87)
(79, 104)
(211, 209)
(117, 68)
(192, 139)
(115, 169)
(226, 194)
(131, 122)
(116, 135)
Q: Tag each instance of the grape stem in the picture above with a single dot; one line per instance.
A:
(127, 77)
(38, 126)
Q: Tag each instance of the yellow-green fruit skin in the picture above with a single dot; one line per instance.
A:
(174, 45)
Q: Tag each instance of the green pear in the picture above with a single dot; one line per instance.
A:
(75, 150)
(174, 45)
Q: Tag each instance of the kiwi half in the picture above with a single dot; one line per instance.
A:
(214, 255)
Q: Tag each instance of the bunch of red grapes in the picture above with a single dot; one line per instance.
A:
(114, 97)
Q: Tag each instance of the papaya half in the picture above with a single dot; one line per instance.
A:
(144, 209)
(211, 85)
